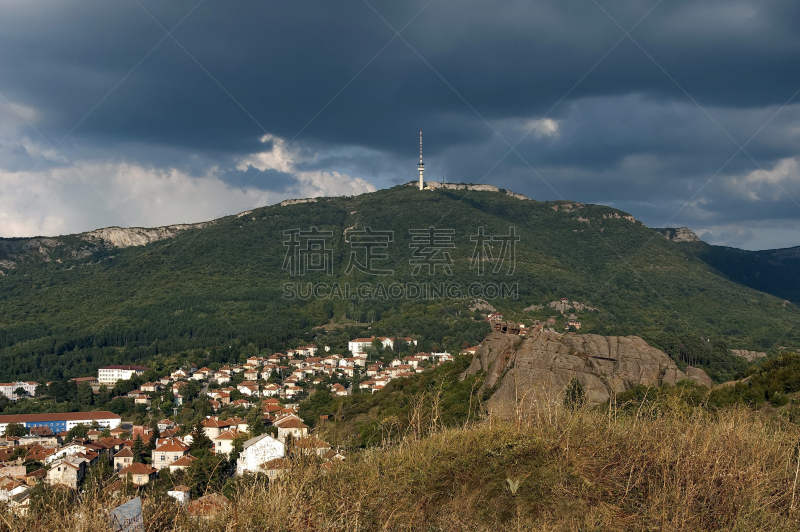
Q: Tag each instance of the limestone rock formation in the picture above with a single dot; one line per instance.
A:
(520, 371)
(120, 237)
(284, 203)
(481, 187)
(678, 234)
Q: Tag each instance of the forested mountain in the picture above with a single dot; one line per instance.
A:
(71, 304)
(774, 271)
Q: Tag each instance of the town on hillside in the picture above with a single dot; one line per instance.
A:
(247, 420)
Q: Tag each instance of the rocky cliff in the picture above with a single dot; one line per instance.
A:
(121, 237)
(14, 251)
(538, 368)
(678, 234)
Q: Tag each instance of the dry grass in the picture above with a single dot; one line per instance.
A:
(554, 470)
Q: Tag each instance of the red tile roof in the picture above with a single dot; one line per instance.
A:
(137, 469)
(184, 461)
(67, 416)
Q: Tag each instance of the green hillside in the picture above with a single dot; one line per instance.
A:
(68, 306)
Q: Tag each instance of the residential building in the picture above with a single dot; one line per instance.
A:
(168, 452)
(276, 467)
(182, 463)
(68, 472)
(312, 445)
(291, 425)
(258, 450)
(123, 459)
(213, 426)
(139, 474)
(223, 444)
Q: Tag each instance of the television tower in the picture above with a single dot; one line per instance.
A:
(421, 167)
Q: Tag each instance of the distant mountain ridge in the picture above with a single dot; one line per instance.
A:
(774, 271)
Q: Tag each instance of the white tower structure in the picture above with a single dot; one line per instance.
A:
(421, 167)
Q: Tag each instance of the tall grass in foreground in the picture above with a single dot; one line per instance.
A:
(553, 470)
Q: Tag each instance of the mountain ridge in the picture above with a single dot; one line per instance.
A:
(82, 305)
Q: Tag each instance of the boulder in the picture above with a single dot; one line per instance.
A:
(536, 370)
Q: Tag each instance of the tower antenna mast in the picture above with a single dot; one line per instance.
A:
(421, 167)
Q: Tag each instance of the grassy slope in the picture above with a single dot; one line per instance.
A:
(212, 286)
(583, 470)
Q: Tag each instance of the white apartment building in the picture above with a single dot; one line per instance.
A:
(109, 375)
(8, 388)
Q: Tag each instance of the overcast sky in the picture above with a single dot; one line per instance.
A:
(683, 113)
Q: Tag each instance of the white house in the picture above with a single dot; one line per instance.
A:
(442, 357)
(257, 451)
(358, 345)
(69, 450)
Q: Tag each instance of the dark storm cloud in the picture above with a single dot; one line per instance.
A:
(645, 129)
(284, 61)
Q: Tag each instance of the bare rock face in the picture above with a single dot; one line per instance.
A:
(748, 355)
(120, 237)
(678, 234)
(699, 376)
(284, 203)
(539, 368)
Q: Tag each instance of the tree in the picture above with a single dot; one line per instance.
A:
(138, 449)
(63, 390)
(78, 431)
(238, 446)
(207, 473)
(16, 429)
(200, 441)
(20, 392)
(103, 396)
(85, 394)
(166, 407)
(101, 472)
(152, 443)
(255, 421)
(574, 397)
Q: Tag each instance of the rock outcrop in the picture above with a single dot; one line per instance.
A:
(284, 203)
(120, 237)
(481, 187)
(748, 355)
(520, 371)
(678, 234)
